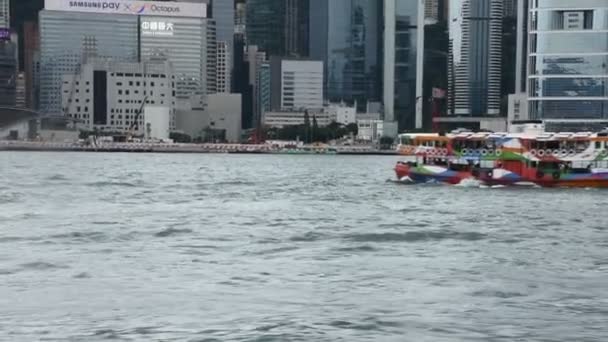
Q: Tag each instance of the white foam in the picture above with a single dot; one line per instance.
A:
(469, 183)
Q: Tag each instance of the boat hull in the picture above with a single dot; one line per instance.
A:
(433, 173)
(429, 173)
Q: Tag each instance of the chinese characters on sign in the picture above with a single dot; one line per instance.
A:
(157, 28)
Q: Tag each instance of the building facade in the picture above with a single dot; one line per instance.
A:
(20, 89)
(346, 36)
(474, 66)
(223, 67)
(31, 51)
(402, 67)
(278, 27)
(128, 31)
(568, 63)
(262, 92)
(107, 95)
(282, 118)
(8, 73)
(5, 14)
(296, 84)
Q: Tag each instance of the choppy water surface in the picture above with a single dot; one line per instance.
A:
(290, 248)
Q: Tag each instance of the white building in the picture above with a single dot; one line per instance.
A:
(280, 119)
(370, 127)
(109, 95)
(518, 108)
(221, 115)
(156, 122)
(223, 68)
(296, 84)
(341, 113)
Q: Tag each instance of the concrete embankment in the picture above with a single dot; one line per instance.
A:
(185, 148)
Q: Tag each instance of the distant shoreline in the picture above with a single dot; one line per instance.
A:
(186, 149)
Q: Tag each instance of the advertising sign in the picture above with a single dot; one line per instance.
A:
(5, 34)
(157, 28)
(171, 9)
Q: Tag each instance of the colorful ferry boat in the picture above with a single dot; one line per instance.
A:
(542, 159)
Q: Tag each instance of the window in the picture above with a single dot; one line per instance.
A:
(119, 91)
(598, 145)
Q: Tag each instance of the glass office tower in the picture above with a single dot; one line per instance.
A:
(568, 60)
(345, 37)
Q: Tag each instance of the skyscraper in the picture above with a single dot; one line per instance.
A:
(510, 9)
(568, 63)
(223, 15)
(431, 9)
(8, 72)
(276, 26)
(346, 39)
(31, 49)
(402, 73)
(5, 17)
(474, 68)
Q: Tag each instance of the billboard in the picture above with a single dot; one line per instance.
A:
(5, 34)
(171, 9)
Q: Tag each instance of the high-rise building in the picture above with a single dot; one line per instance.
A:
(568, 63)
(263, 91)
(278, 27)
(20, 90)
(431, 10)
(402, 66)
(8, 73)
(223, 12)
(510, 9)
(474, 66)
(240, 18)
(296, 84)
(346, 39)
(5, 17)
(129, 31)
(223, 67)
(31, 48)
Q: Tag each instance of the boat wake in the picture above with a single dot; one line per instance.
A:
(470, 183)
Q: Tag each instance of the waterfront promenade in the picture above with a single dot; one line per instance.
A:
(8, 145)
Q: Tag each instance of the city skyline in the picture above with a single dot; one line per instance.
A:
(371, 52)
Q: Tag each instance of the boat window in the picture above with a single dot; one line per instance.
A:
(598, 145)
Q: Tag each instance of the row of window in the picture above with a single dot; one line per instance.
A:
(119, 74)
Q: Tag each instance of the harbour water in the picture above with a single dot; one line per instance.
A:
(150, 247)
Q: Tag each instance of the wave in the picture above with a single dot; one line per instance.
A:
(416, 236)
(497, 294)
(364, 248)
(81, 236)
(57, 178)
(308, 237)
(41, 266)
(172, 231)
(103, 184)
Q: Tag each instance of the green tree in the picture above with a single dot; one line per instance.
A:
(180, 137)
(352, 128)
